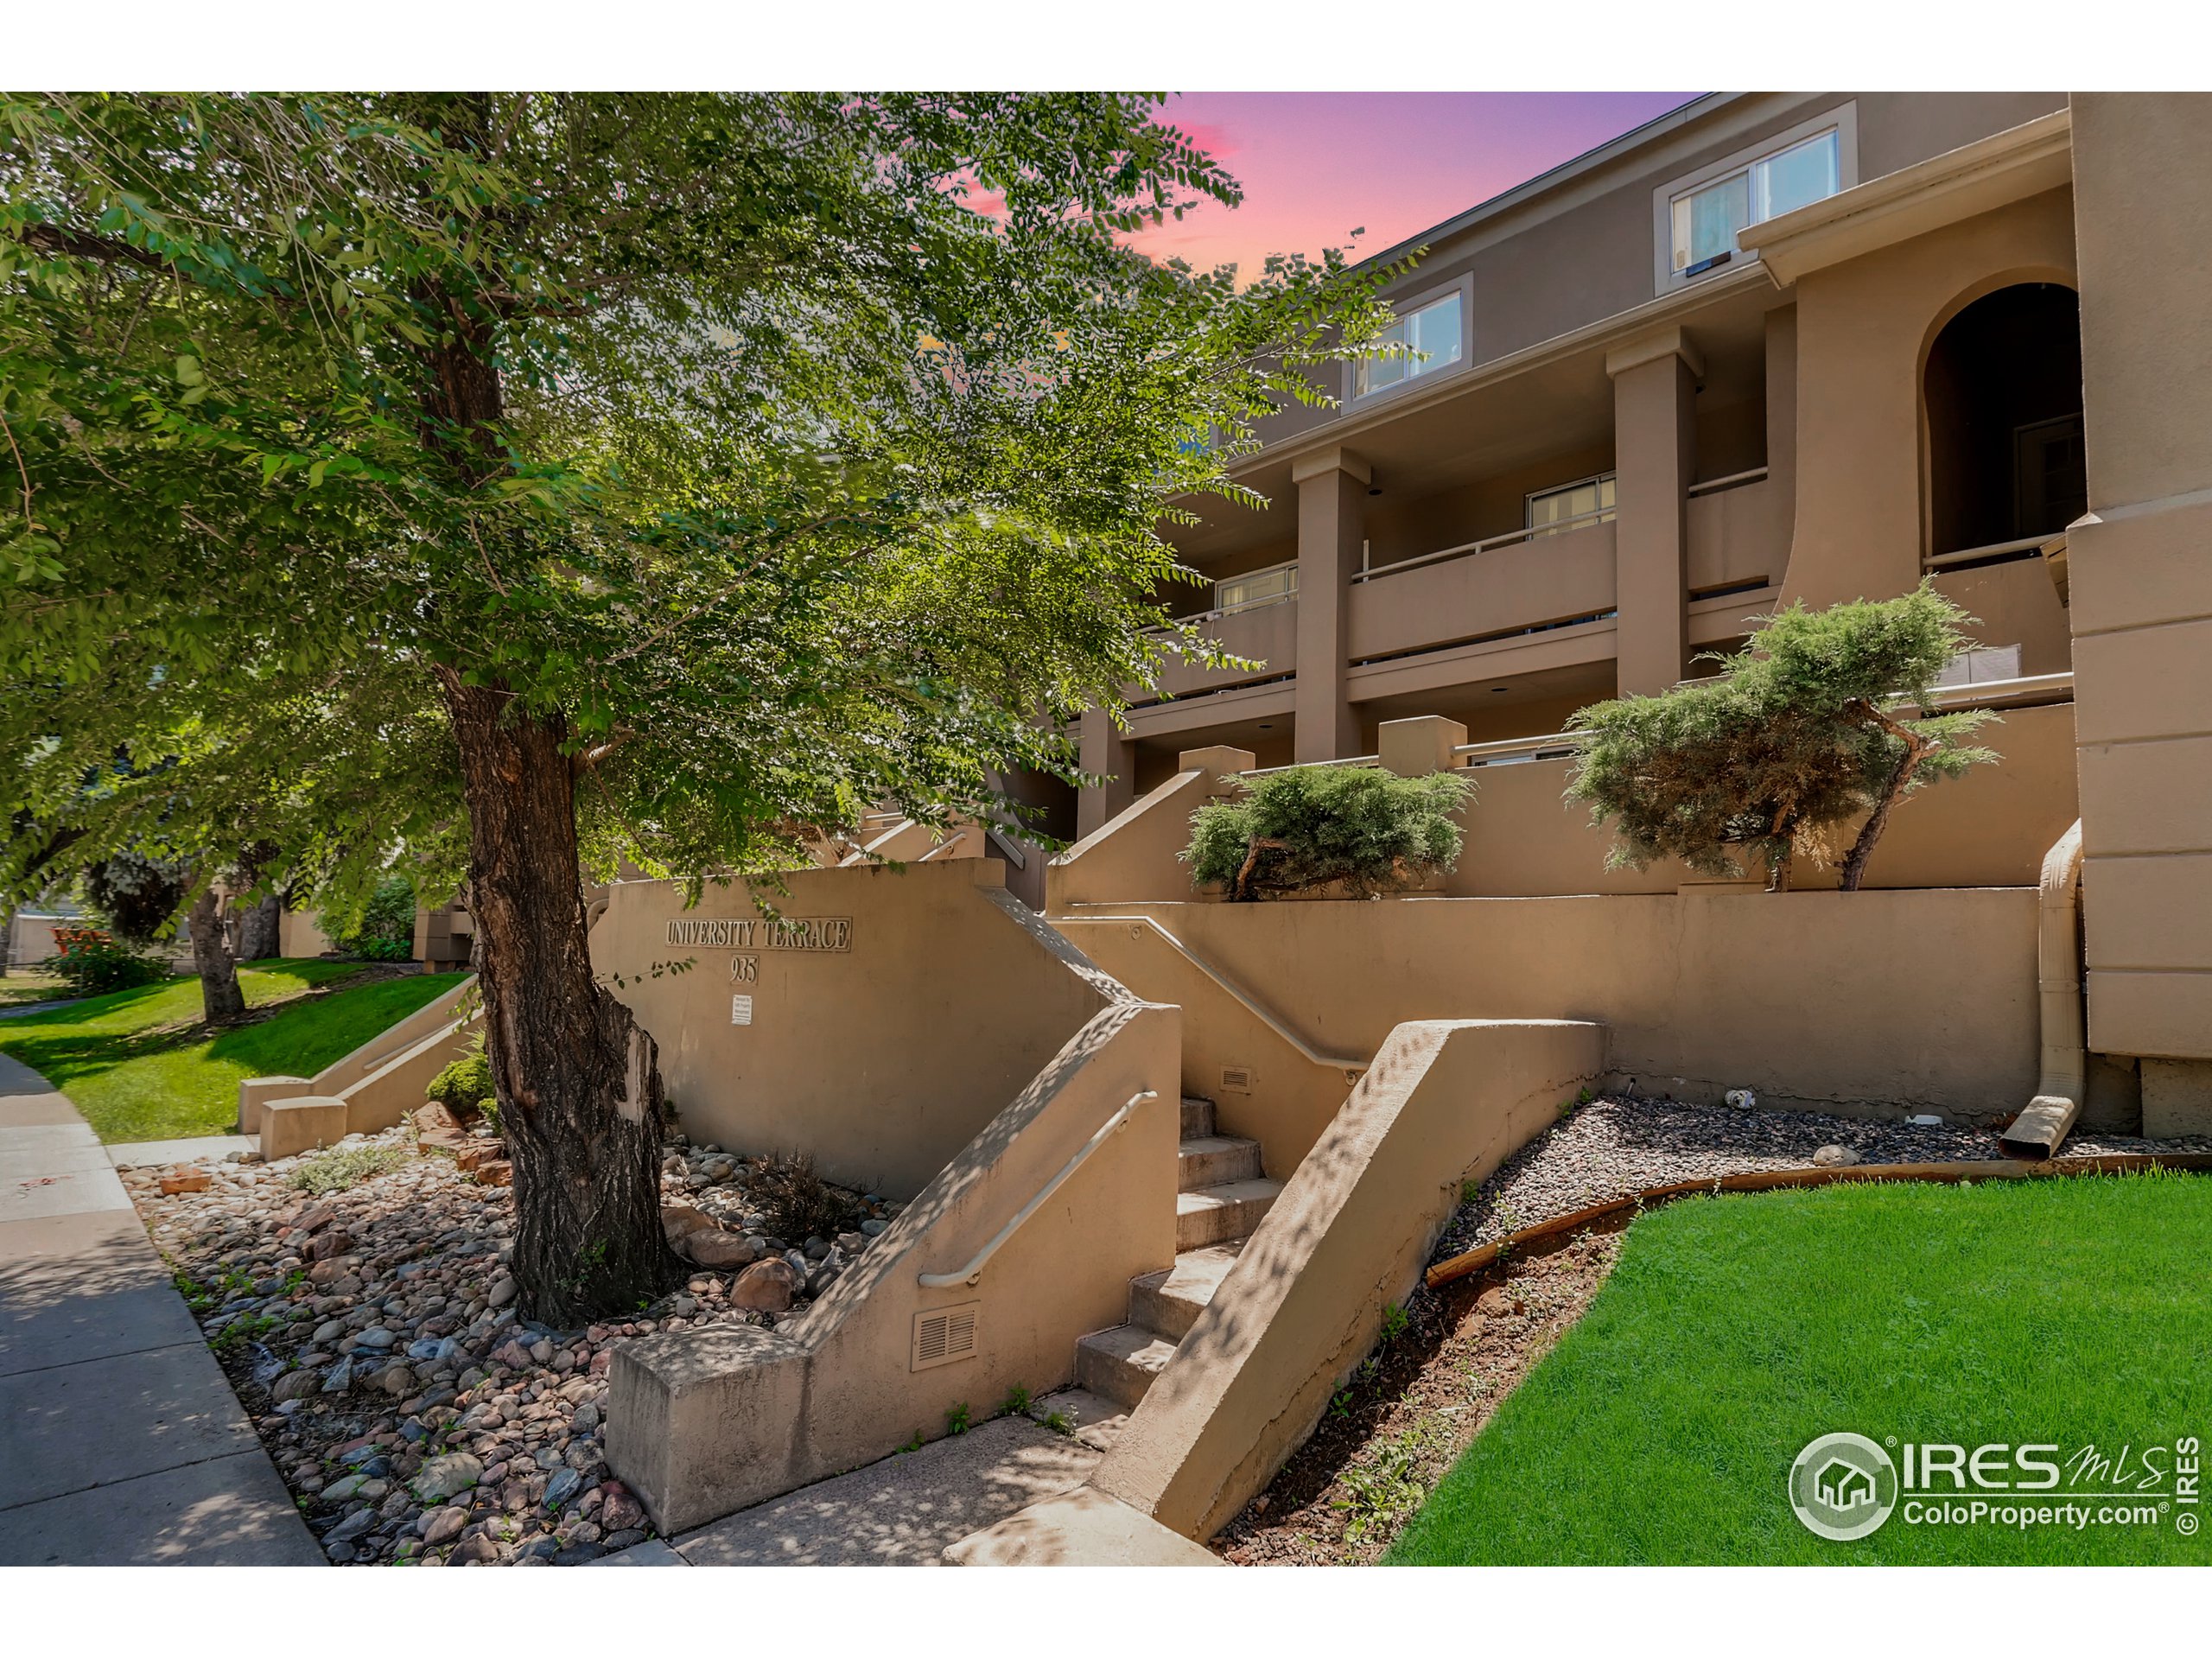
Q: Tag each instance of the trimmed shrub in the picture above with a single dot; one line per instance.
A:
(465, 1085)
(1821, 718)
(1359, 827)
(92, 962)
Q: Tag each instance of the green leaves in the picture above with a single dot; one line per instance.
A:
(798, 452)
(1788, 744)
(1313, 826)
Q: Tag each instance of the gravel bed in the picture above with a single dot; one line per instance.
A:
(373, 1337)
(1617, 1145)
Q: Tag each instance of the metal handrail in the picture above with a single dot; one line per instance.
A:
(1994, 551)
(1595, 516)
(974, 1270)
(1352, 1069)
(1014, 855)
(1967, 694)
(1715, 486)
(414, 1043)
(1300, 765)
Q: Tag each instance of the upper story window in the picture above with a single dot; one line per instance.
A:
(1256, 588)
(1697, 215)
(1706, 220)
(1435, 336)
(1572, 505)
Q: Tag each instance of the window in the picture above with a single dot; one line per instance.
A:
(1256, 588)
(1706, 220)
(1433, 334)
(1572, 505)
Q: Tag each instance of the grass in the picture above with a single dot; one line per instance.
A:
(1737, 1329)
(141, 1067)
(22, 985)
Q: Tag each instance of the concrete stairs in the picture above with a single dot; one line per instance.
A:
(1222, 1198)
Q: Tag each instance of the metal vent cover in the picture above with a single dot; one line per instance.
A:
(1238, 1079)
(943, 1335)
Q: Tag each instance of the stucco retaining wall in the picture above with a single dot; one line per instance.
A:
(1866, 1002)
(881, 1059)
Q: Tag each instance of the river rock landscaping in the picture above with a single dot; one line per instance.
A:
(359, 1302)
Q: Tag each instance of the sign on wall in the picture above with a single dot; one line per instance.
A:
(760, 933)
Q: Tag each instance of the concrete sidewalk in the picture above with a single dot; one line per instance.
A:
(120, 1441)
(904, 1510)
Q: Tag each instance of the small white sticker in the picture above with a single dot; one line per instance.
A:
(741, 1010)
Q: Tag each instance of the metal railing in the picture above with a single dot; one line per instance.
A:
(970, 1273)
(1252, 1005)
(2028, 690)
(1595, 516)
(1733, 481)
(2019, 548)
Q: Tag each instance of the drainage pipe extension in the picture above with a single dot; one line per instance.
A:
(2037, 1131)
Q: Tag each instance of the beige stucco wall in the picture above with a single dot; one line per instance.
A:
(1863, 327)
(1446, 1102)
(1988, 829)
(2141, 581)
(703, 1423)
(882, 1060)
(1857, 1002)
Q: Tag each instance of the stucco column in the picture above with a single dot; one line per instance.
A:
(1104, 748)
(2140, 586)
(1654, 456)
(1332, 520)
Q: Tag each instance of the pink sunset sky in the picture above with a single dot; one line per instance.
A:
(1317, 166)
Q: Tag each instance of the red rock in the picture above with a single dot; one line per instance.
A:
(601, 1361)
(499, 1173)
(768, 1286)
(185, 1180)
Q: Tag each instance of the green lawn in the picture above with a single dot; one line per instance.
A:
(22, 985)
(139, 1070)
(1737, 1329)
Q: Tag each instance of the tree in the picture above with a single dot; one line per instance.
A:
(1310, 827)
(1804, 729)
(136, 896)
(696, 472)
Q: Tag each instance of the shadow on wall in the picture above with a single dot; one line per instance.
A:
(880, 1041)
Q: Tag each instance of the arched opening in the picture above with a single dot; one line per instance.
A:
(2004, 402)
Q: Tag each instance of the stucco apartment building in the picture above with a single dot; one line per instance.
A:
(1770, 347)
(1659, 396)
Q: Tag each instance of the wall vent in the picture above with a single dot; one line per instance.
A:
(944, 1334)
(1238, 1079)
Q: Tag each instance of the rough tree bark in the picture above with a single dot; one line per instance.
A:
(260, 929)
(219, 995)
(578, 1079)
(1917, 748)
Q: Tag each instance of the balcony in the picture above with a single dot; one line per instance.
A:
(1265, 632)
(1496, 588)
(1739, 529)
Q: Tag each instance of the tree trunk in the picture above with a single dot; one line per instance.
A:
(260, 929)
(578, 1079)
(219, 996)
(1915, 748)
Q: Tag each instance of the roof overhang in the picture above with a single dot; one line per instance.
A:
(2005, 167)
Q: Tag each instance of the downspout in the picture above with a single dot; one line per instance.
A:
(2037, 1131)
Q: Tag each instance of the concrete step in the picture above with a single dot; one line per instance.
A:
(1120, 1363)
(1198, 1117)
(1215, 1215)
(1170, 1300)
(1214, 1159)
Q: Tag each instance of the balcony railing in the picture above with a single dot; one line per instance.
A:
(2021, 547)
(1512, 538)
